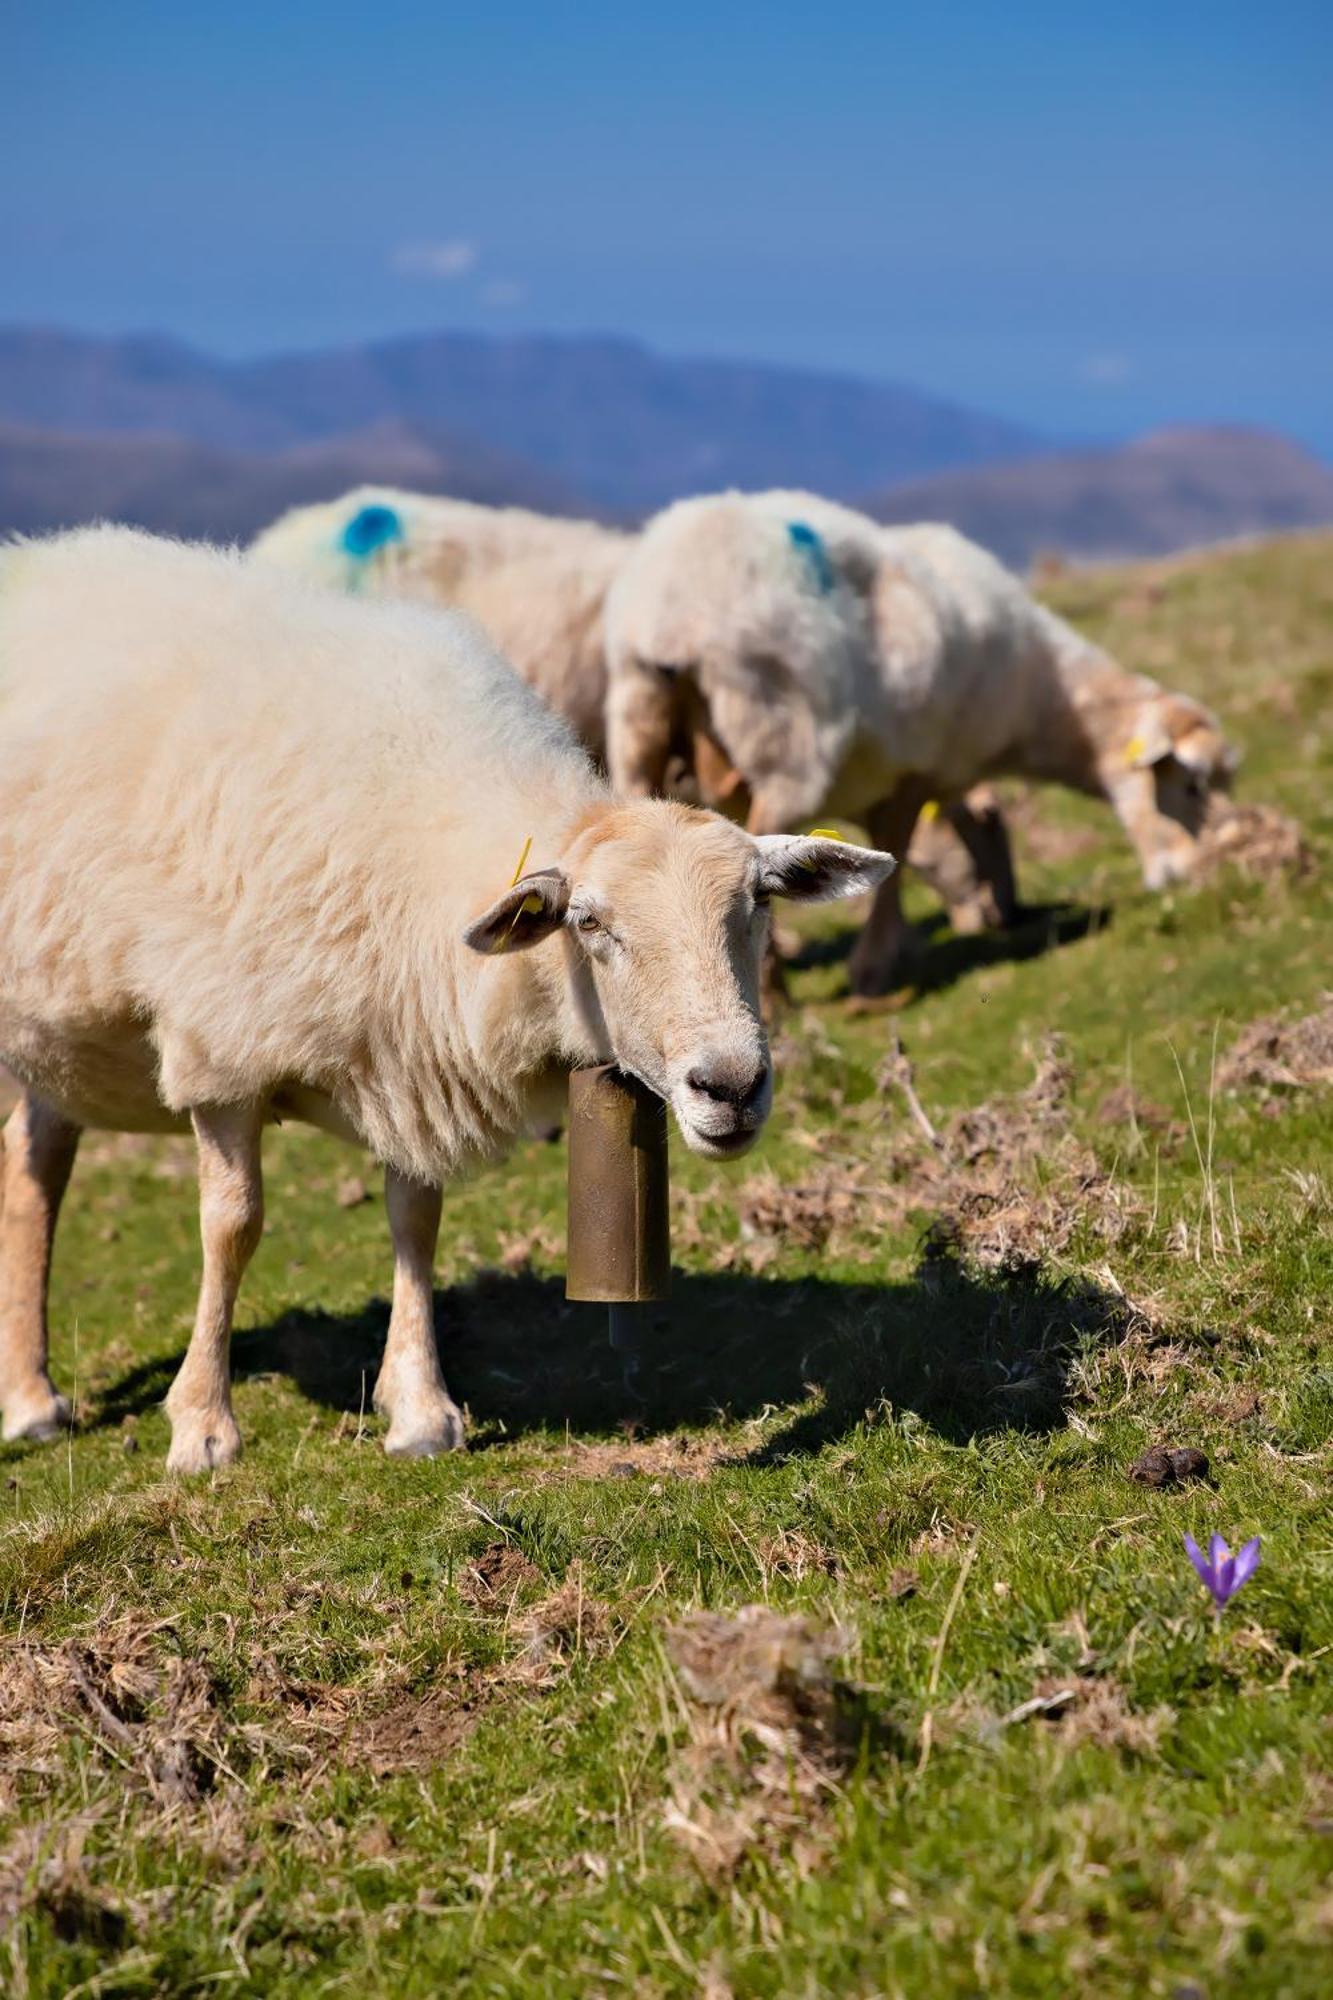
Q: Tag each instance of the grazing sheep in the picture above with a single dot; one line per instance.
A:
(258, 852)
(536, 583)
(836, 668)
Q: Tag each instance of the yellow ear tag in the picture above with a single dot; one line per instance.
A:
(522, 862)
(1134, 749)
(929, 811)
(528, 907)
(819, 833)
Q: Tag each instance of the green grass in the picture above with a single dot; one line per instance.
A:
(390, 1788)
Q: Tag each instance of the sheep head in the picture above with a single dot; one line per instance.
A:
(1163, 777)
(663, 914)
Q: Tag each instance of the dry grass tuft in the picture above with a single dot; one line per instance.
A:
(1274, 1054)
(1262, 843)
(1007, 1182)
(42, 1868)
(1093, 1708)
(1238, 1406)
(142, 1707)
(770, 1736)
(796, 1555)
(562, 1628)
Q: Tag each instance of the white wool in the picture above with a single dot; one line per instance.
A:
(243, 824)
(831, 673)
(536, 582)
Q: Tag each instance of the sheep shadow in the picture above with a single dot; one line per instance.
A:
(969, 1353)
(943, 956)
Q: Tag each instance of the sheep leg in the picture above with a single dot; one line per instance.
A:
(979, 823)
(410, 1392)
(878, 958)
(39, 1149)
(231, 1221)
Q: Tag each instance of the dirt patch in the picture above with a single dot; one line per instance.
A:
(495, 1578)
(413, 1732)
(771, 1733)
(1261, 843)
(1274, 1054)
(676, 1457)
(1007, 1182)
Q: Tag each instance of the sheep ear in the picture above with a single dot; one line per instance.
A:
(1149, 743)
(528, 912)
(809, 869)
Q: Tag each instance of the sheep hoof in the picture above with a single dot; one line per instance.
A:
(203, 1443)
(36, 1414)
(426, 1434)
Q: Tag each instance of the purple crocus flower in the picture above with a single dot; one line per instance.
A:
(1222, 1572)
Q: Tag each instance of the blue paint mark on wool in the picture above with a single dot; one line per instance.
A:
(810, 547)
(370, 529)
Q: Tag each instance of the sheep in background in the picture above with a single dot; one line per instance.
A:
(538, 585)
(536, 582)
(258, 852)
(840, 669)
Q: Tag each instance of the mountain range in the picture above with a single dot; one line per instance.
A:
(620, 427)
(1169, 490)
(146, 429)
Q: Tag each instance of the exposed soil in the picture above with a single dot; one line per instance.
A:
(673, 1457)
(415, 1732)
(497, 1576)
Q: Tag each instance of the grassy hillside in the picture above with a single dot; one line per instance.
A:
(333, 1724)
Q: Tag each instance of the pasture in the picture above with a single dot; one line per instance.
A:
(329, 1723)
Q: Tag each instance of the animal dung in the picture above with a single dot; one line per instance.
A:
(1169, 1465)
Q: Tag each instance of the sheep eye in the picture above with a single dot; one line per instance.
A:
(588, 923)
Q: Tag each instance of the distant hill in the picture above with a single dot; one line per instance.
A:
(1170, 490)
(146, 429)
(609, 422)
(49, 479)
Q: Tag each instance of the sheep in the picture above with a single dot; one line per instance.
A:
(538, 586)
(242, 878)
(536, 583)
(838, 669)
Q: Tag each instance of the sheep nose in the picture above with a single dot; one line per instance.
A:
(725, 1087)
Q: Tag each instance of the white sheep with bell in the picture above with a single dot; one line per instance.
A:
(832, 668)
(268, 852)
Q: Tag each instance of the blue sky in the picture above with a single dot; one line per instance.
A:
(1094, 219)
